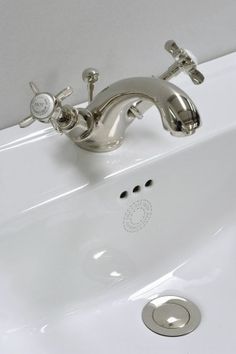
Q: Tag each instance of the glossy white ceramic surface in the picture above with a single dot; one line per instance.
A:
(78, 264)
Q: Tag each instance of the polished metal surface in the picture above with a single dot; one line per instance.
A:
(102, 125)
(178, 113)
(90, 76)
(171, 316)
(45, 107)
(184, 61)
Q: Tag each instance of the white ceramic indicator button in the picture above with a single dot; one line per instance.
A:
(42, 106)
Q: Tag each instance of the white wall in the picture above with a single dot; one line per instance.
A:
(51, 42)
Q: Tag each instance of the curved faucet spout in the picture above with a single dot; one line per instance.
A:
(111, 106)
(101, 126)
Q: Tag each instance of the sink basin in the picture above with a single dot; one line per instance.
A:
(86, 240)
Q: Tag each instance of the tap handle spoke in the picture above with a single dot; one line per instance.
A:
(172, 48)
(66, 92)
(34, 87)
(185, 61)
(196, 76)
(26, 122)
(54, 119)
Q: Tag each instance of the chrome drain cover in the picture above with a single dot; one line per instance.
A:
(171, 316)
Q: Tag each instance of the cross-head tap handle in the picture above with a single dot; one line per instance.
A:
(45, 107)
(184, 61)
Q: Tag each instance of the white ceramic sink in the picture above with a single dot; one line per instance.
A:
(78, 264)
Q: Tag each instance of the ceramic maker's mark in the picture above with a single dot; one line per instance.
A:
(137, 215)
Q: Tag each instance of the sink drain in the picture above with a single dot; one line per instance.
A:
(171, 316)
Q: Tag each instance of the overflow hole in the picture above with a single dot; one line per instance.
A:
(124, 195)
(149, 183)
(136, 189)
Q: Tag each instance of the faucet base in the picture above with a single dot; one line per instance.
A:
(91, 146)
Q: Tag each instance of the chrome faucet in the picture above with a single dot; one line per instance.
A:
(101, 126)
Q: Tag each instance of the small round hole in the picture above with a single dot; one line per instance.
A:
(136, 189)
(124, 195)
(149, 183)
